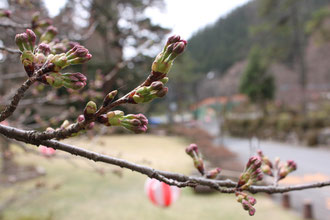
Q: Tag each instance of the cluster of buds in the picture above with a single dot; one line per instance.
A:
(163, 62)
(73, 81)
(194, 153)
(136, 123)
(77, 55)
(148, 93)
(247, 202)
(285, 169)
(5, 13)
(252, 173)
(212, 174)
(41, 57)
(26, 41)
(267, 165)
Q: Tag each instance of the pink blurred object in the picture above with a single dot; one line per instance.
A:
(47, 151)
(160, 193)
(5, 122)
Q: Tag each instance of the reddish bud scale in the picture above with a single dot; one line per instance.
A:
(108, 98)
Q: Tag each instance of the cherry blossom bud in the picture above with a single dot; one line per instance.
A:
(265, 159)
(80, 118)
(173, 39)
(247, 202)
(148, 93)
(27, 59)
(31, 38)
(136, 123)
(90, 110)
(108, 98)
(212, 174)
(44, 49)
(266, 169)
(48, 35)
(194, 153)
(74, 81)
(172, 49)
(78, 54)
(192, 150)
(252, 173)
(286, 168)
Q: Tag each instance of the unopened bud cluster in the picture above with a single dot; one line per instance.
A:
(267, 165)
(148, 93)
(252, 173)
(69, 80)
(286, 168)
(195, 154)
(247, 202)
(136, 123)
(163, 62)
(36, 57)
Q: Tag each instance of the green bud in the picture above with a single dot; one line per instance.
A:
(90, 110)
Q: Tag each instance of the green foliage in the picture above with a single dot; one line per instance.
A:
(317, 18)
(218, 46)
(255, 82)
(268, 22)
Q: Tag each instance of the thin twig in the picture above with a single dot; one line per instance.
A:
(9, 109)
(10, 50)
(180, 180)
(12, 24)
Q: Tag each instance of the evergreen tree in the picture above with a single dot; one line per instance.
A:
(256, 83)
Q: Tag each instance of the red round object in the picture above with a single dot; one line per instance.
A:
(160, 193)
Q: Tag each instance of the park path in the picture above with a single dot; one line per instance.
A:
(313, 165)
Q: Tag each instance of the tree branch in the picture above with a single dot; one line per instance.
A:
(78, 126)
(224, 186)
(10, 50)
(13, 24)
(9, 109)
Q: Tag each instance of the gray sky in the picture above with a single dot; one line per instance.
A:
(183, 16)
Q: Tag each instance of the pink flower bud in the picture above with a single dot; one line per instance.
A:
(179, 47)
(44, 48)
(81, 118)
(173, 39)
(212, 174)
(31, 38)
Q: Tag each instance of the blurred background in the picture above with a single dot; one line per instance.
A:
(255, 75)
